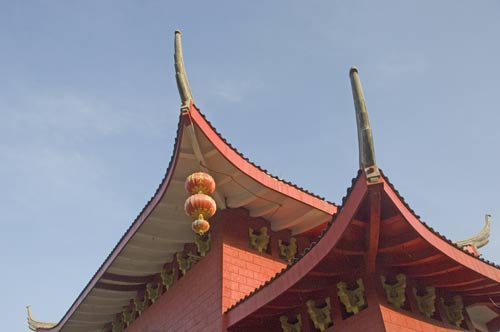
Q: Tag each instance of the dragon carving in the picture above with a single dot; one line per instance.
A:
(288, 251)
(291, 327)
(202, 243)
(321, 317)
(353, 300)
(426, 303)
(259, 241)
(396, 292)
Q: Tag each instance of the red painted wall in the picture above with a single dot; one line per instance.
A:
(229, 272)
(194, 301)
(244, 271)
(403, 321)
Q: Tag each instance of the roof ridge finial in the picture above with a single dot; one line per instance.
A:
(180, 72)
(480, 239)
(365, 139)
(34, 324)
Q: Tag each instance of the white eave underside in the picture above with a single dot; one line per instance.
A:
(167, 228)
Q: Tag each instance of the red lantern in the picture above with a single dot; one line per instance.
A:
(200, 206)
(200, 183)
(200, 226)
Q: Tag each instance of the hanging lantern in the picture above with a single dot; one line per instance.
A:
(200, 226)
(200, 183)
(200, 206)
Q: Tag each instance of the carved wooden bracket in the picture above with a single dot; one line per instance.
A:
(167, 278)
(353, 300)
(140, 304)
(118, 325)
(426, 303)
(286, 326)
(260, 240)
(202, 243)
(185, 262)
(321, 316)
(395, 293)
(288, 251)
(153, 292)
(454, 310)
(129, 316)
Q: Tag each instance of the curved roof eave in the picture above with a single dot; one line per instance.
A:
(445, 246)
(328, 240)
(235, 158)
(146, 211)
(308, 259)
(255, 172)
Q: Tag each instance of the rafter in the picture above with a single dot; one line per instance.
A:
(246, 197)
(297, 219)
(264, 210)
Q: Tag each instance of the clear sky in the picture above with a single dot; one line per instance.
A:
(89, 109)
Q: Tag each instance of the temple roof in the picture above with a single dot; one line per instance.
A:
(375, 229)
(397, 238)
(162, 228)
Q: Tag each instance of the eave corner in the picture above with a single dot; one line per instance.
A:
(480, 239)
(34, 324)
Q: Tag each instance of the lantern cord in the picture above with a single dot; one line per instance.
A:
(202, 164)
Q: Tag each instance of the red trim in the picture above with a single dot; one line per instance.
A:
(296, 272)
(254, 172)
(437, 242)
(127, 236)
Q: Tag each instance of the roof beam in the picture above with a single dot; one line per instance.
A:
(431, 270)
(426, 255)
(375, 199)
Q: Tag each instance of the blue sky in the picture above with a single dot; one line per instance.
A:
(89, 108)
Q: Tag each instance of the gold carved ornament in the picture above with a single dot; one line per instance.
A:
(426, 303)
(288, 251)
(395, 293)
(286, 326)
(260, 240)
(321, 316)
(353, 300)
